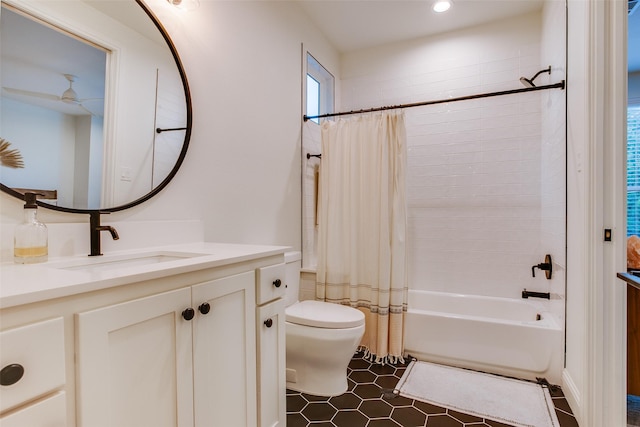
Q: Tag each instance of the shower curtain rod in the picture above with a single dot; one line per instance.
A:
(441, 101)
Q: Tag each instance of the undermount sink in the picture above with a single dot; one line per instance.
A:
(125, 261)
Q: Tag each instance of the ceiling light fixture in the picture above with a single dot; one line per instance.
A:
(185, 4)
(441, 6)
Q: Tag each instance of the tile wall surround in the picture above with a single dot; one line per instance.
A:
(307, 285)
(311, 143)
(485, 178)
(554, 153)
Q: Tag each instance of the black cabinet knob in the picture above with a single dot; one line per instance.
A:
(188, 313)
(277, 283)
(11, 374)
(268, 323)
(204, 308)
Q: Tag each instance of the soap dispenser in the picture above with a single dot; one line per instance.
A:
(31, 236)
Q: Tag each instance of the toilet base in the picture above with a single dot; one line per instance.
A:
(317, 359)
(336, 386)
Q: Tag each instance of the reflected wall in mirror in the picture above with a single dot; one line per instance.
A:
(99, 149)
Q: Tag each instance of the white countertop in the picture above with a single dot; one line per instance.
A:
(65, 276)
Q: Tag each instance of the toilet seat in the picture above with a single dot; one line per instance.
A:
(324, 315)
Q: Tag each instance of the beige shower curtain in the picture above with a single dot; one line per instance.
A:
(362, 226)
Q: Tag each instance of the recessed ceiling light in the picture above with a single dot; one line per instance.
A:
(441, 6)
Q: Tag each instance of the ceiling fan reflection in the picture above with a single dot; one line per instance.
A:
(69, 96)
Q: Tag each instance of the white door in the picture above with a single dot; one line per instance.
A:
(134, 364)
(271, 365)
(224, 352)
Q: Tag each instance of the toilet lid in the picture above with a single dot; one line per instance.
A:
(324, 315)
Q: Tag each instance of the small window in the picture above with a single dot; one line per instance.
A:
(320, 88)
(313, 97)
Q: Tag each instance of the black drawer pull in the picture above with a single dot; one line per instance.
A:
(188, 313)
(268, 323)
(11, 374)
(277, 283)
(204, 308)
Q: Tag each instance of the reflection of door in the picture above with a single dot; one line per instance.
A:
(170, 114)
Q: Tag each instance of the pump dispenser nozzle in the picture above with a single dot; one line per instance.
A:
(30, 199)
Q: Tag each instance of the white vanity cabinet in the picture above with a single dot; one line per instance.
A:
(181, 343)
(270, 333)
(180, 358)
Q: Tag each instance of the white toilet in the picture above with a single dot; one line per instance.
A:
(321, 338)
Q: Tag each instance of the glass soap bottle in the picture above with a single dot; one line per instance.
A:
(30, 243)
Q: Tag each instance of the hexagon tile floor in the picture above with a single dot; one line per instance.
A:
(370, 402)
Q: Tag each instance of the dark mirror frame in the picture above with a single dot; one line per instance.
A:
(183, 151)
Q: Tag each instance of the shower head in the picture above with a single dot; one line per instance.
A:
(526, 82)
(529, 82)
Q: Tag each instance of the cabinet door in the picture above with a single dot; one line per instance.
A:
(134, 363)
(633, 341)
(224, 352)
(271, 365)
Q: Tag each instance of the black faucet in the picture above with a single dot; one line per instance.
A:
(95, 228)
(546, 266)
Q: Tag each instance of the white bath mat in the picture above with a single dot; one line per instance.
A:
(510, 401)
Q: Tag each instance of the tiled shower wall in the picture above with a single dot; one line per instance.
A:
(554, 152)
(485, 178)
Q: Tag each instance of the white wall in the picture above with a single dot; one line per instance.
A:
(241, 176)
(245, 62)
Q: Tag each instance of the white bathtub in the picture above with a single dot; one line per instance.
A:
(497, 335)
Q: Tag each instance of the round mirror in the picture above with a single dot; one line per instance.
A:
(95, 105)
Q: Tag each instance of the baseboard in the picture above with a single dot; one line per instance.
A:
(572, 394)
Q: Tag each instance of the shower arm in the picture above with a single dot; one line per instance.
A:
(529, 82)
(546, 70)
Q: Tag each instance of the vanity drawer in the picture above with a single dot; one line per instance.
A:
(51, 412)
(32, 361)
(270, 283)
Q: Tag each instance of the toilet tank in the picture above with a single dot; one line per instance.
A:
(293, 264)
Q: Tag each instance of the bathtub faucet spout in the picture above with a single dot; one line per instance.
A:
(527, 294)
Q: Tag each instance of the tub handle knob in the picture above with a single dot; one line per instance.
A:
(545, 266)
